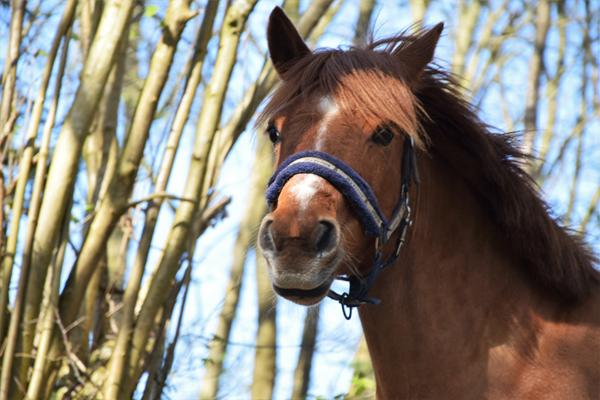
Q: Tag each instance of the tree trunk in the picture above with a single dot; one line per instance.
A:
(418, 9)
(265, 356)
(364, 20)
(25, 165)
(115, 203)
(168, 265)
(255, 94)
(9, 76)
(363, 380)
(36, 386)
(552, 91)
(98, 158)
(7, 117)
(468, 19)
(253, 215)
(536, 63)
(63, 169)
(152, 210)
(307, 350)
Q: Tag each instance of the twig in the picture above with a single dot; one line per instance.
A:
(75, 362)
(159, 195)
(168, 363)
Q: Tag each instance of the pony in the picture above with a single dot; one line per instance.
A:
(466, 286)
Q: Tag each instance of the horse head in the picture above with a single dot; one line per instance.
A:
(337, 197)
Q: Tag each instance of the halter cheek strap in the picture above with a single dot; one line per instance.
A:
(364, 202)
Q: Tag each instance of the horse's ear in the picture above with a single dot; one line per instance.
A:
(416, 55)
(285, 43)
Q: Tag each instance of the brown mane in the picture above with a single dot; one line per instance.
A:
(443, 123)
(491, 164)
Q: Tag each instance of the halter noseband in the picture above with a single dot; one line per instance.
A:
(359, 193)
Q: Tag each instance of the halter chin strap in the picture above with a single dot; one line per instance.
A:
(359, 193)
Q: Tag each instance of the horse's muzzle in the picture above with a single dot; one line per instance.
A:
(302, 255)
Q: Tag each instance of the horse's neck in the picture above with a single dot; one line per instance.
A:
(454, 293)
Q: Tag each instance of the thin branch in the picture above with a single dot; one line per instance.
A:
(590, 212)
(160, 195)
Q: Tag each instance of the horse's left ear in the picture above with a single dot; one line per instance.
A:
(285, 43)
(416, 55)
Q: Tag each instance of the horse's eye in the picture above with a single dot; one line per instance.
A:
(274, 134)
(382, 136)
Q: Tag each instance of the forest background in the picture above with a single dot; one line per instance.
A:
(132, 182)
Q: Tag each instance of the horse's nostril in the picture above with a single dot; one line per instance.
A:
(326, 236)
(265, 237)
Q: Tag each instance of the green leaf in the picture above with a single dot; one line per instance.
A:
(150, 11)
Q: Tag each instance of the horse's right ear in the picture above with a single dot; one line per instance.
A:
(285, 43)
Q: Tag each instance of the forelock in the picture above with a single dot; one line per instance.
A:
(363, 83)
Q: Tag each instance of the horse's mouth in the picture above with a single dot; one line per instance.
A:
(304, 296)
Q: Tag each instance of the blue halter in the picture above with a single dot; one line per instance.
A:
(364, 202)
